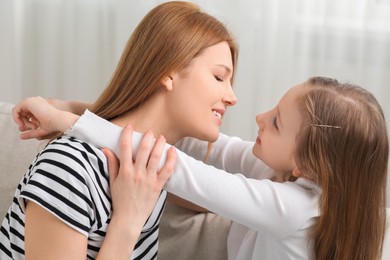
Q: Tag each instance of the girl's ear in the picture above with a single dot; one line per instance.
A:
(167, 82)
(296, 172)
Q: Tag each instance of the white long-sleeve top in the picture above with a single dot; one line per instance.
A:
(271, 220)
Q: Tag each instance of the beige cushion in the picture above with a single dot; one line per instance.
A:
(16, 156)
(185, 234)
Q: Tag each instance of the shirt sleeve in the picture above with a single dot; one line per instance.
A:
(262, 205)
(58, 182)
(231, 154)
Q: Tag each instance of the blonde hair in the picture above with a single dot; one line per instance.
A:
(349, 163)
(166, 39)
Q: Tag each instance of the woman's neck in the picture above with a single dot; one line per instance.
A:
(151, 115)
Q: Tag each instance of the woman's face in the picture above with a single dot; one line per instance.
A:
(202, 92)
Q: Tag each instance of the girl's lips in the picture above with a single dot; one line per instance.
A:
(258, 140)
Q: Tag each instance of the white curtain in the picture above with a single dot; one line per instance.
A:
(69, 48)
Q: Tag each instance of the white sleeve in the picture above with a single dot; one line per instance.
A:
(259, 204)
(231, 154)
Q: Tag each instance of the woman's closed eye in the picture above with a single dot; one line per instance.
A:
(219, 79)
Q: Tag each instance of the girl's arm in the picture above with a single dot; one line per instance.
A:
(42, 119)
(75, 107)
(258, 204)
(231, 154)
(37, 118)
(270, 207)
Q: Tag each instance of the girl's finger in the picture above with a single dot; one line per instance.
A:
(28, 124)
(33, 133)
(16, 115)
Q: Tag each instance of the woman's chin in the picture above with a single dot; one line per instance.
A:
(210, 137)
(214, 137)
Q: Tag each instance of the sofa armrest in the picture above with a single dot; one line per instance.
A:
(15, 156)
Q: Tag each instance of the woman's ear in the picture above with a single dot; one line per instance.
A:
(167, 82)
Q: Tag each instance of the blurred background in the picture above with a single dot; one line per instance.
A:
(68, 49)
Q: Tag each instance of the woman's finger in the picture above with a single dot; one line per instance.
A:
(169, 166)
(113, 164)
(126, 150)
(144, 150)
(155, 156)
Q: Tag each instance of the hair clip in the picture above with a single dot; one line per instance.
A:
(327, 126)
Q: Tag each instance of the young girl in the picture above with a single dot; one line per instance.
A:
(329, 138)
(177, 58)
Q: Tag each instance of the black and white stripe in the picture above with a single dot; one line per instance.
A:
(69, 179)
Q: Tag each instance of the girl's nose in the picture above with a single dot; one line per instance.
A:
(260, 121)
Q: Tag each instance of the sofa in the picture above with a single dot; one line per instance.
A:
(183, 233)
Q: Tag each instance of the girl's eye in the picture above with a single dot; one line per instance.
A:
(218, 78)
(275, 124)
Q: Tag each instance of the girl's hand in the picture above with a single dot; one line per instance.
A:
(37, 118)
(136, 185)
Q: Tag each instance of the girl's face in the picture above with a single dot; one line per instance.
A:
(202, 92)
(278, 128)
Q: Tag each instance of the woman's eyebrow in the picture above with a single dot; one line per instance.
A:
(226, 68)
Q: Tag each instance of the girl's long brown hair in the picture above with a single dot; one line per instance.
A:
(166, 39)
(344, 148)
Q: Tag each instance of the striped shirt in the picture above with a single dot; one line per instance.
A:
(69, 178)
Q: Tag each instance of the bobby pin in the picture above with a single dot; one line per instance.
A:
(326, 126)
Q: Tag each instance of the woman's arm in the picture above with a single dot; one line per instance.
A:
(135, 188)
(47, 237)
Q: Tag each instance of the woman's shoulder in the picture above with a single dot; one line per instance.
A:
(70, 158)
(70, 148)
(69, 178)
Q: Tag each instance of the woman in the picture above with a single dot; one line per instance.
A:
(175, 79)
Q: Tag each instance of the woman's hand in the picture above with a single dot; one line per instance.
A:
(135, 188)
(37, 118)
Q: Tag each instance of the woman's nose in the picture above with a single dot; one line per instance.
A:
(230, 98)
